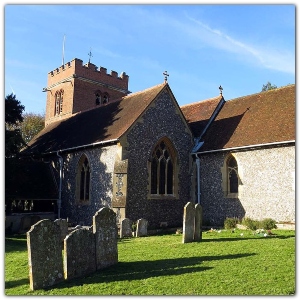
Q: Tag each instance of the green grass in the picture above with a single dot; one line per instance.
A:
(224, 263)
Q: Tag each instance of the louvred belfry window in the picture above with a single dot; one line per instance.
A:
(162, 170)
(59, 102)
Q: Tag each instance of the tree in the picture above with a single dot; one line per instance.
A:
(268, 86)
(13, 115)
(32, 124)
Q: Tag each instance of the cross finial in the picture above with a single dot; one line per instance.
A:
(166, 76)
(221, 89)
(90, 55)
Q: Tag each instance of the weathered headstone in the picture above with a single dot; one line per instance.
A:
(106, 237)
(126, 228)
(198, 223)
(141, 227)
(188, 223)
(63, 225)
(79, 254)
(44, 255)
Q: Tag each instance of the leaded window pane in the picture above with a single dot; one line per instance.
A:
(233, 182)
(170, 178)
(154, 176)
(162, 177)
(162, 172)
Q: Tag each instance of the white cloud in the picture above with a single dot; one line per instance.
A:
(269, 58)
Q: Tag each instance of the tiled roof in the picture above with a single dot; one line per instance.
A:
(96, 125)
(266, 117)
(197, 114)
(23, 180)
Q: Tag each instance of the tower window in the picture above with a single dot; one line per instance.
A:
(98, 98)
(59, 102)
(105, 98)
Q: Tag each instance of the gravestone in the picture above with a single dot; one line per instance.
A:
(106, 237)
(79, 254)
(188, 223)
(126, 228)
(44, 254)
(63, 225)
(141, 227)
(198, 223)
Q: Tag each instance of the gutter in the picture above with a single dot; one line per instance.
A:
(75, 148)
(246, 147)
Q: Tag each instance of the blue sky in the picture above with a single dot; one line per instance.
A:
(240, 47)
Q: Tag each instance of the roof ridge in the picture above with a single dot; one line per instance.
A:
(200, 101)
(143, 91)
(268, 91)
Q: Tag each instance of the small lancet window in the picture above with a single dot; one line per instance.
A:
(83, 176)
(232, 175)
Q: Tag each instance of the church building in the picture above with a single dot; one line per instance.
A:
(145, 156)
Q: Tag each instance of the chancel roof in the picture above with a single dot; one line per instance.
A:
(262, 118)
(101, 124)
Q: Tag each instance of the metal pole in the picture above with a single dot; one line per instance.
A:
(60, 185)
(198, 178)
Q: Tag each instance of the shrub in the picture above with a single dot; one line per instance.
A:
(251, 224)
(268, 224)
(230, 223)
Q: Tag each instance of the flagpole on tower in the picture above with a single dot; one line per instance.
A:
(63, 51)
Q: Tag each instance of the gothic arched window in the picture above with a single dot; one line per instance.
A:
(232, 173)
(105, 98)
(98, 98)
(231, 177)
(59, 102)
(162, 169)
(83, 180)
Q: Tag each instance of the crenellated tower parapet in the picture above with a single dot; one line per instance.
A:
(75, 87)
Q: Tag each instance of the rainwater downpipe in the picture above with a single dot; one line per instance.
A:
(60, 185)
(198, 177)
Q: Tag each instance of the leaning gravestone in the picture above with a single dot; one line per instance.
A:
(63, 225)
(188, 223)
(198, 223)
(141, 227)
(126, 228)
(106, 237)
(79, 254)
(44, 255)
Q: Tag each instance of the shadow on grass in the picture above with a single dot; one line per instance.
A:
(139, 270)
(15, 243)
(14, 283)
(220, 239)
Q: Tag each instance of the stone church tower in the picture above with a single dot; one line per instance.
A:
(75, 87)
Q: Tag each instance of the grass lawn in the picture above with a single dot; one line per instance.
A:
(223, 263)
